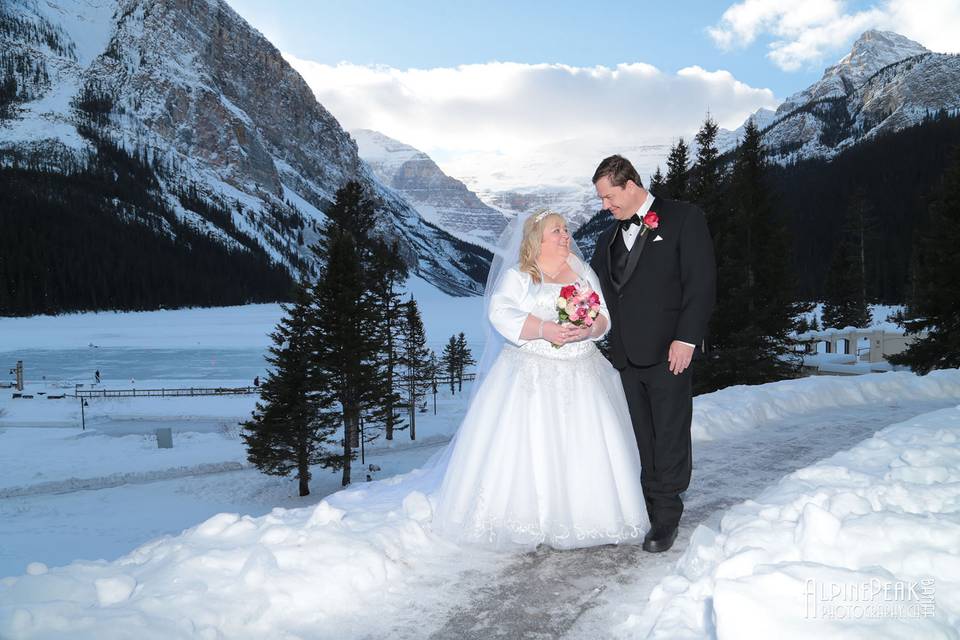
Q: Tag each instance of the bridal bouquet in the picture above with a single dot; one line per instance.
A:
(577, 306)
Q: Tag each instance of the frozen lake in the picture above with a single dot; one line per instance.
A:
(121, 364)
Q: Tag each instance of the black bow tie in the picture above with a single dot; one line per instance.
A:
(634, 219)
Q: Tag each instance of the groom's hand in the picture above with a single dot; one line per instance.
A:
(679, 356)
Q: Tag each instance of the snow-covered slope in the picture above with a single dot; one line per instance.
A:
(207, 101)
(727, 139)
(440, 199)
(886, 83)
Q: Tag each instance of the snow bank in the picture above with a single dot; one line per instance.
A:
(313, 571)
(863, 544)
(741, 408)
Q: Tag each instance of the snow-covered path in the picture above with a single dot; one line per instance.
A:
(573, 594)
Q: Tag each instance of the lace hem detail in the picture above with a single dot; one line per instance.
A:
(509, 531)
(504, 533)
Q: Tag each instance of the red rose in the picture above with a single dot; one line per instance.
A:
(568, 291)
(652, 220)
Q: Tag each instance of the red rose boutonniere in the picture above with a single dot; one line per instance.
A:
(651, 221)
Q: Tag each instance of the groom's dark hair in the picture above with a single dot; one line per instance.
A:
(618, 169)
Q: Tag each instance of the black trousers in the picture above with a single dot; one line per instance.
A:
(661, 408)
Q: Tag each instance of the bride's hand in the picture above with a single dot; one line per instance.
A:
(576, 334)
(555, 333)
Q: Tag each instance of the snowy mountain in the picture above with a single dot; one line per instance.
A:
(727, 139)
(207, 103)
(886, 83)
(577, 202)
(441, 200)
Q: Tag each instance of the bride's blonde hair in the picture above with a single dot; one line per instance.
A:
(532, 237)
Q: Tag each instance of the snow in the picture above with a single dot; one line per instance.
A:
(318, 567)
(386, 155)
(88, 23)
(864, 543)
(252, 577)
(106, 535)
(738, 409)
(880, 319)
(216, 328)
(48, 117)
(58, 460)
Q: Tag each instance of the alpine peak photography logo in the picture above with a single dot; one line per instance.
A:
(869, 599)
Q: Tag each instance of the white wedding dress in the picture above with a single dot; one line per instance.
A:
(546, 451)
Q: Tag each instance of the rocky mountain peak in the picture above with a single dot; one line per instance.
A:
(875, 47)
(871, 52)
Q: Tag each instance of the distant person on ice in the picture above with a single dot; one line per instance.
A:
(96, 376)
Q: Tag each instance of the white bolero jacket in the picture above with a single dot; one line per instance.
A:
(516, 295)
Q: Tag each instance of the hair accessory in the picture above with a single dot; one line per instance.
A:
(543, 214)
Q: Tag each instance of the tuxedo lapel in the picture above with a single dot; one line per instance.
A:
(614, 235)
(638, 246)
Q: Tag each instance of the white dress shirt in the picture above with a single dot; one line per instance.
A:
(631, 233)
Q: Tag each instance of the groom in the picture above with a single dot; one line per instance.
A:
(658, 276)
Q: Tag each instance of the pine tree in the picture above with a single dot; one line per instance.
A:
(464, 359)
(935, 305)
(656, 182)
(706, 184)
(293, 425)
(387, 271)
(416, 359)
(432, 372)
(749, 338)
(449, 362)
(345, 348)
(863, 226)
(845, 304)
(359, 276)
(352, 211)
(677, 171)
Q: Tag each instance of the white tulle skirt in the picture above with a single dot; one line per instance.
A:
(545, 454)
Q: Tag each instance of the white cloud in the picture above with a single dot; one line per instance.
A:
(933, 23)
(804, 33)
(498, 113)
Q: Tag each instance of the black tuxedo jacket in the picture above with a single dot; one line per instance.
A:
(668, 290)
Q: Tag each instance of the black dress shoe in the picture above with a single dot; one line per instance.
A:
(659, 539)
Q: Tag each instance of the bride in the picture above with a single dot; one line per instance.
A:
(546, 452)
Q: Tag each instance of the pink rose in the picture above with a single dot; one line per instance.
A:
(588, 321)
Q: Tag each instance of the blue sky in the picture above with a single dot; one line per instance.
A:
(502, 93)
(421, 34)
